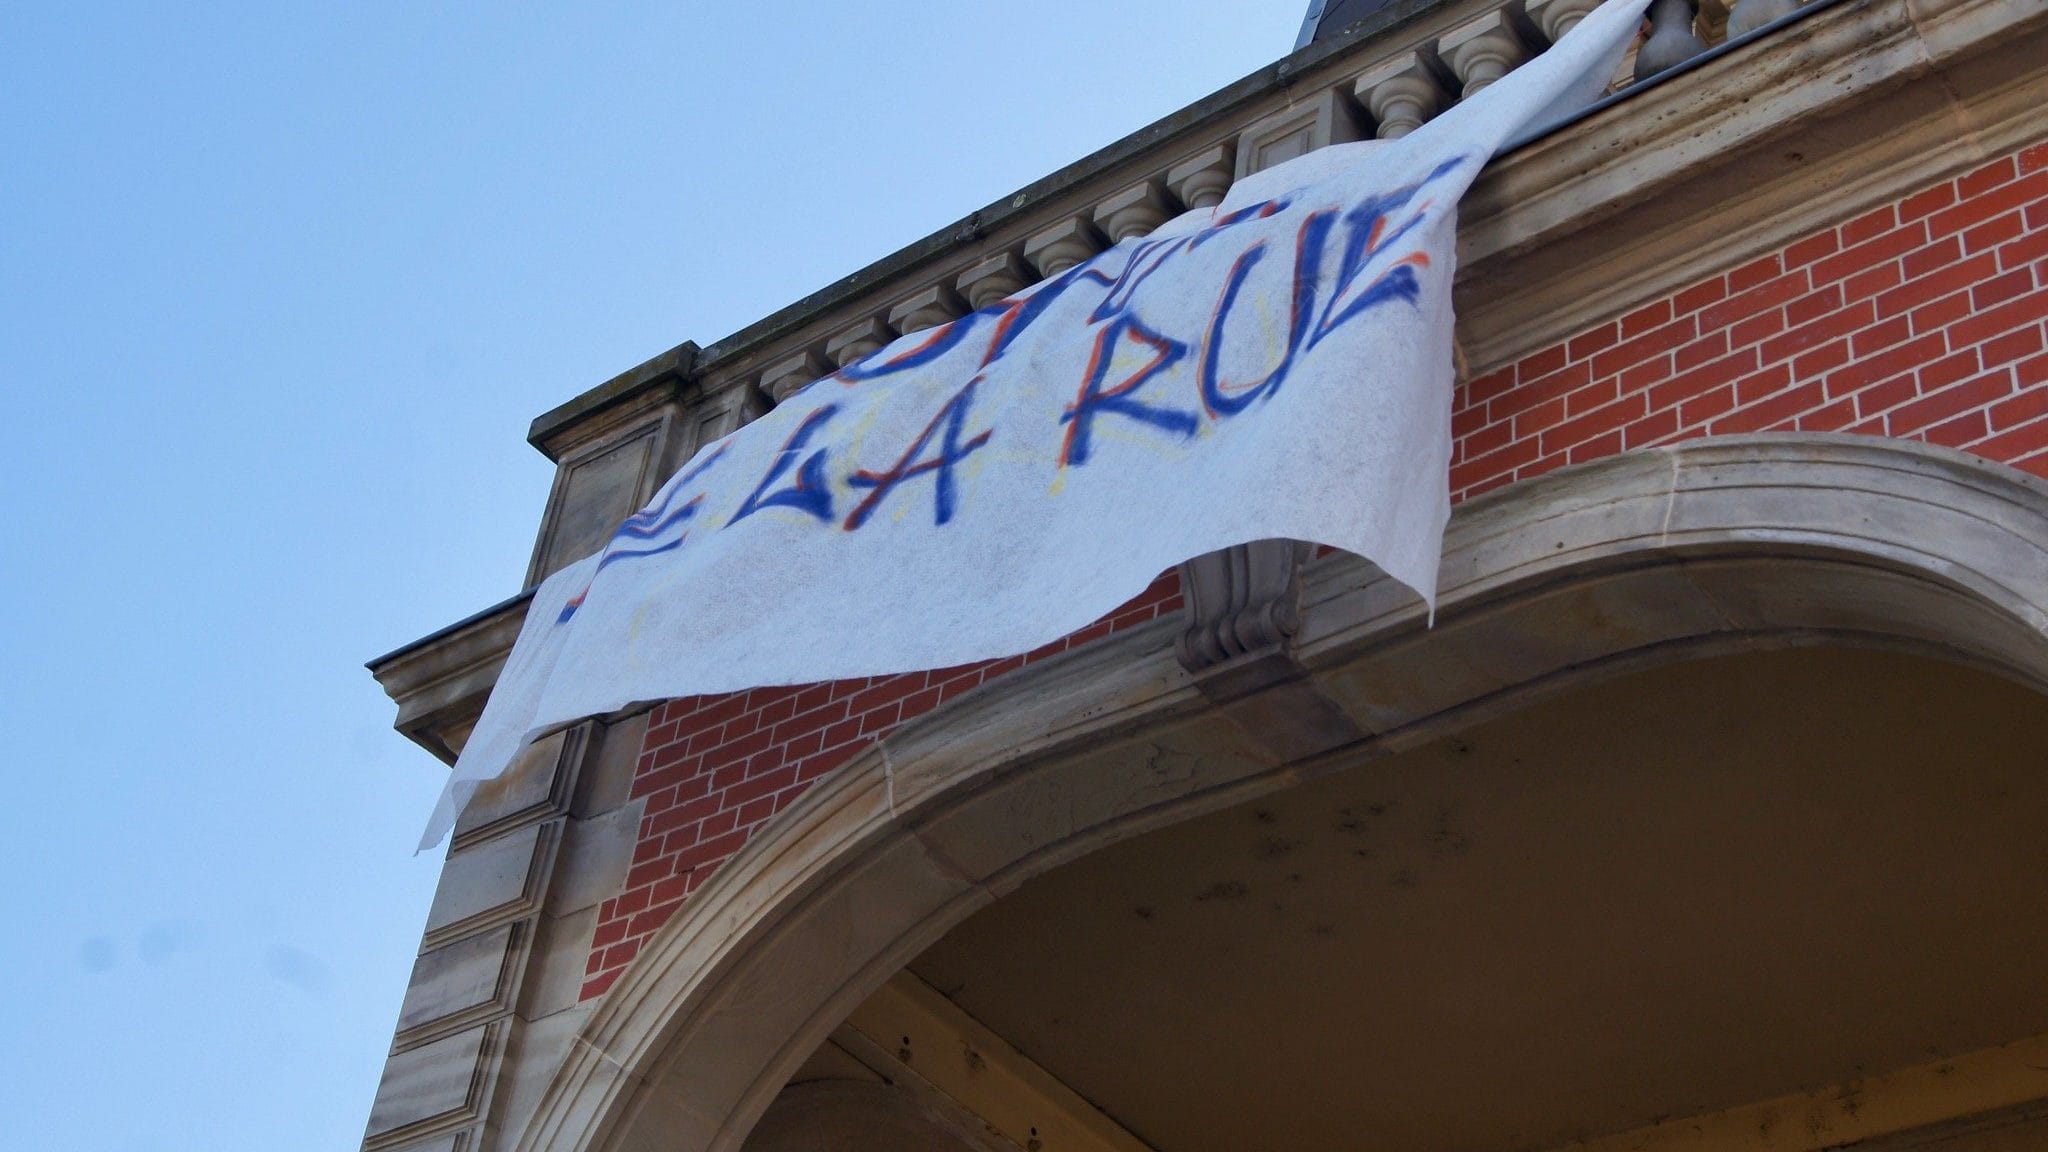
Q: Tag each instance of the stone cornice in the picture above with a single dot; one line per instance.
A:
(440, 681)
(559, 429)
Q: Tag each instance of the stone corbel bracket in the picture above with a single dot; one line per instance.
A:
(1242, 609)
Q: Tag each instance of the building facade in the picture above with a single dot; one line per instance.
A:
(1706, 816)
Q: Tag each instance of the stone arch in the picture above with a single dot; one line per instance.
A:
(1649, 557)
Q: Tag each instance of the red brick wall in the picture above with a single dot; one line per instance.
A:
(1920, 320)
(1923, 319)
(713, 769)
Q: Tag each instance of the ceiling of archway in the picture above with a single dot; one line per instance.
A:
(1690, 888)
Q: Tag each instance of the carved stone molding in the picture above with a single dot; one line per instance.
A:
(440, 682)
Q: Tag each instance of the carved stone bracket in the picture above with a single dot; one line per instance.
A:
(1058, 248)
(1403, 93)
(1241, 601)
(1484, 50)
(1243, 608)
(935, 305)
(867, 337)
(1134, 211)
(994, 278)
(783, 378)
(1201, 181)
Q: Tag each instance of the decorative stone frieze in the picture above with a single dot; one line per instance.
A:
(1403, 93)
(1054, 250)
(863, 339)
(1201, 180)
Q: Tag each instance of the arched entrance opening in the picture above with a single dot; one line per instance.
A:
(1673, 893)
(1552, 588)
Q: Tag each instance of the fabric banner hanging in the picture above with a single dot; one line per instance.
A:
(1278, 366)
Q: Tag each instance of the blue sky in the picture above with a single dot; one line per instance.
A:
(281, 287)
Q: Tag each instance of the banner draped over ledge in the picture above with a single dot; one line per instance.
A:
(1277, 366)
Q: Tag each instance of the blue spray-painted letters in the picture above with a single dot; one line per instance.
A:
(810, 494)
(953, 417)
(1079, 416)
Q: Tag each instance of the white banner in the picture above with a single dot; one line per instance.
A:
(1277, 366)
